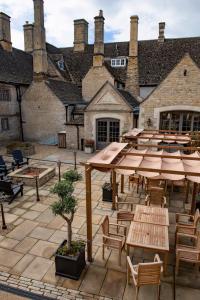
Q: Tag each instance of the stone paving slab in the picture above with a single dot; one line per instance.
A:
(93, 280)
(9, 258)
(41, 233)
(37, 268)
(21, 231)
(113, 285)
(44, 249)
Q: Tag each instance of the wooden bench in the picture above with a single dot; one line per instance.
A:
(10, 189)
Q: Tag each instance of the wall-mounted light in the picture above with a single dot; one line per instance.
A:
(149, 122)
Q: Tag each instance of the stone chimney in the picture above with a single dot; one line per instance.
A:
(28, 37)
(80, 35)
(5, 36)
(98, 58)
(161, 37)
(40, 64)
(132, 76)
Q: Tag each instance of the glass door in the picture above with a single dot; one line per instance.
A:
(107, 131)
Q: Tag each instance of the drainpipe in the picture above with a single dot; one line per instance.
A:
(19, 100)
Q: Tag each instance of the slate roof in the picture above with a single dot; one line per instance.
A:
(15, 66)
(129, 98)
(155, 59)
(67, 92)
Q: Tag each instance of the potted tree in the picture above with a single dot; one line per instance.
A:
(70, 255)
(89, 146)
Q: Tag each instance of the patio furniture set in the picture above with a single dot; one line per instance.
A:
(7, 187)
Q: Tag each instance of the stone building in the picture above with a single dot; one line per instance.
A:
(98, 91)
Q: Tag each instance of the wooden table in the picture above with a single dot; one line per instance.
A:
(149, 236)
(152, 215)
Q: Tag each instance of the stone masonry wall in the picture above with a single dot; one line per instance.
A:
(176, 92)
(94, 80)
(44, 114)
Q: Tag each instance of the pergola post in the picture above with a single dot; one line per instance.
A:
(88, 171)
(122, 183)
(187, 191)
(113, 189)
(193, 206)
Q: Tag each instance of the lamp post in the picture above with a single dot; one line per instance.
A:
(19, 100)
(4, 226)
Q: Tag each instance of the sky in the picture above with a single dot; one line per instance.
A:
(182, 18)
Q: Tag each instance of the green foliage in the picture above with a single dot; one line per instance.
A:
(76, 247)
(72, 176)
(66, 206)
(63, 188)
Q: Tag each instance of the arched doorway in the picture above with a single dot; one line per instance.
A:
(107, 131)
(180, 120)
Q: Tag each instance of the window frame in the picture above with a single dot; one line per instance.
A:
(5, 124)
(5, 94)
(118, 62)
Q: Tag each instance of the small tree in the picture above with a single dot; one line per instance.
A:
(67, 204)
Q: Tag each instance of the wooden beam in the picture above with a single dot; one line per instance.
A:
(122, 183)
(166, 147)
(88, 171)
(162, 156)
(113, 189)
(193, 206)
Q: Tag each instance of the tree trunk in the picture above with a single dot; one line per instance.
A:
(69, 240)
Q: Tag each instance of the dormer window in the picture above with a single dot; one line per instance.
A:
(118, 62)
(61, 65)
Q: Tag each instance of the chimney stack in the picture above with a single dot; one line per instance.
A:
(132, 75)
(40, 64)
(161, 37)
(28, 37)
(80, 35)
(5, 36)
(98, 57)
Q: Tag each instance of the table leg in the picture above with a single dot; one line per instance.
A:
(165, 263)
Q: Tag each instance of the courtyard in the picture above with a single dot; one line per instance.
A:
(27, 248)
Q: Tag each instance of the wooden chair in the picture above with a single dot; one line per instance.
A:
(125, 216)
(113, 240)
(149, 183)
(145, 273)
(120, 203)
(135, 180)
(156, 197)
(4, 169)
(188, 253)
(10, 189)
(186, 224)
(19, 160)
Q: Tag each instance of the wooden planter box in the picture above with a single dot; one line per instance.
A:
(26, 151)
(70, 266)
(107, 192)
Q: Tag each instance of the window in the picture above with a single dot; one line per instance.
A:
(4, 124)
(118, 62)
(180, 121)
(4, 94)
(61, 65)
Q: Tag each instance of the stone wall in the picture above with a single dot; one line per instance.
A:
(94, 80)
(43, 113)
(10, 110)
(71, 136)
(180, 90)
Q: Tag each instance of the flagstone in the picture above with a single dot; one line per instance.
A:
(44, 249)
(8, 243)
(18, 211)
(58, 236)
(78, 221)
(114, 285)
(50, 276)
(46, 217)
(10, 218)
(9, 258)
(18, 221)
(41, 233)
(93, 279)
(98, 260)
(25, 245)
(27, 204)
(37, 268)
(39, 207)
(56, 223)
(22, 264)
(22, 230)
(31, 215)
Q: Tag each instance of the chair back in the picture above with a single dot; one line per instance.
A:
(196, 217)
(17, 155)
(156, 195)
(152, 183)
(105, 226)
(2, 162)
(198, 240)
(6, 187)
(149, 273)
(125, 215)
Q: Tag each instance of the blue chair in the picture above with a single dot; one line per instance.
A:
(4, 169)
(19, 160)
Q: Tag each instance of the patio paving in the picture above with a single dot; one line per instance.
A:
(27, 250)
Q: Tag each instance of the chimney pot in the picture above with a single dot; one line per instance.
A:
(98, 57)
(161, 37)
(28, 37)
(80, 34)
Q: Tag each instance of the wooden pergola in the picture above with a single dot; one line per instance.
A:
(111, 158)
